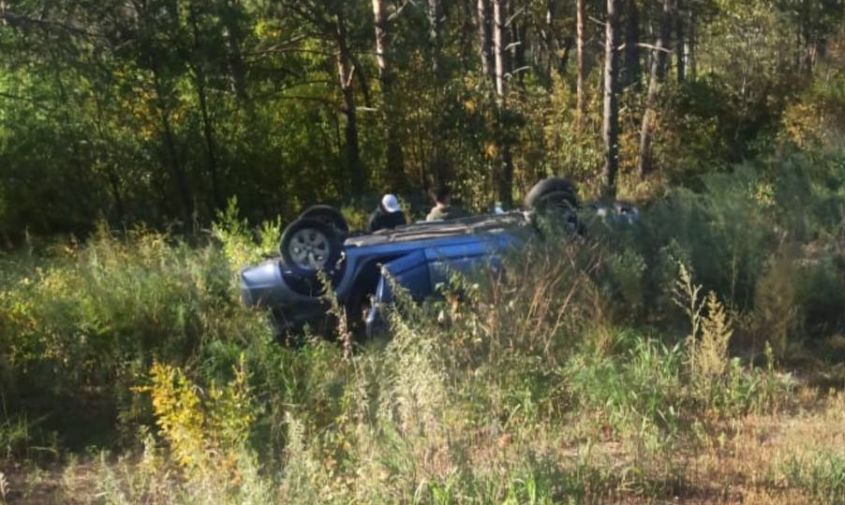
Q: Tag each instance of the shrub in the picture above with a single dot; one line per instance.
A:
(775, 317)
(84, 325)
(242, 246)
(815, 119)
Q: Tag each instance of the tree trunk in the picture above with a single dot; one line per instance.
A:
(558, 47)
(434, 21)
(632, 46)
(516, 42)
(208, 136)
(361, 77)
(547, 35)
(645, 163)
(344, 72)
(207, 127)
(610, 129)
(500, 9)
(579, 49)
(234, 37)
(505, 183)
(485, 40)
(176, 167)
(380, 17)
(114, 183)
(173, 159)
(469, 35)
(395, 161)
(680, 44)
(563, 61)
(804, 36)
(439, 155)
(691, 64)
(111, 173)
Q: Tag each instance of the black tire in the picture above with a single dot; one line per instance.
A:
(328, 215)
(552, 193)
(309, 246)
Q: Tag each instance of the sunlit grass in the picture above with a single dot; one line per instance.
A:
(642, 364)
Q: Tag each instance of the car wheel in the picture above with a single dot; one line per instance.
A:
(327, 214)
(550, 194)
(309, 246)
(554, 202)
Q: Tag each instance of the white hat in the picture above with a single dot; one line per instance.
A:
(390, 203)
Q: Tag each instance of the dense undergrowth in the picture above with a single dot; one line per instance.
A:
(583, 373)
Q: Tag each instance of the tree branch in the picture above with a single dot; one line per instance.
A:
(12, 19)
(34, 102)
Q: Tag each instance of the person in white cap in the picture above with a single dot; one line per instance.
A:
(388, 214)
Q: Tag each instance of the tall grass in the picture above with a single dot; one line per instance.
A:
(570, 374)
(821, 474)
(82, 326)
(431, 417)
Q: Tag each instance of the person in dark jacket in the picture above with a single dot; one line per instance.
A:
(388, 214)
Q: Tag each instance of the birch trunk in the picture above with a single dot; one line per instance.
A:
(344, 73)
(485, 38)
(645, 164)
(579, 50)
(505, 183)
(610, 129)
(395, 161)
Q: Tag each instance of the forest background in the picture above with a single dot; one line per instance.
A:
(160, 111)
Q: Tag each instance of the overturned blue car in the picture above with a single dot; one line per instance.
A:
(317, 252)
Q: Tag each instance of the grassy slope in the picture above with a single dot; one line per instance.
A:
(783, 457)
(573, 378)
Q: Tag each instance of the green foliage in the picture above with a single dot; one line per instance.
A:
(240, 245)
(636, 394)
(160, 112)
(467, 402)
(626, 272)
(94, 317)
(821, 474)
(17, 436)
(814, 120)
(698, 129)
(762, 238)
(574, 340)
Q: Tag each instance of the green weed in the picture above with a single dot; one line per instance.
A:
(820, 474)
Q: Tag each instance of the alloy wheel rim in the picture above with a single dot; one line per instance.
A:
(309, 249)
